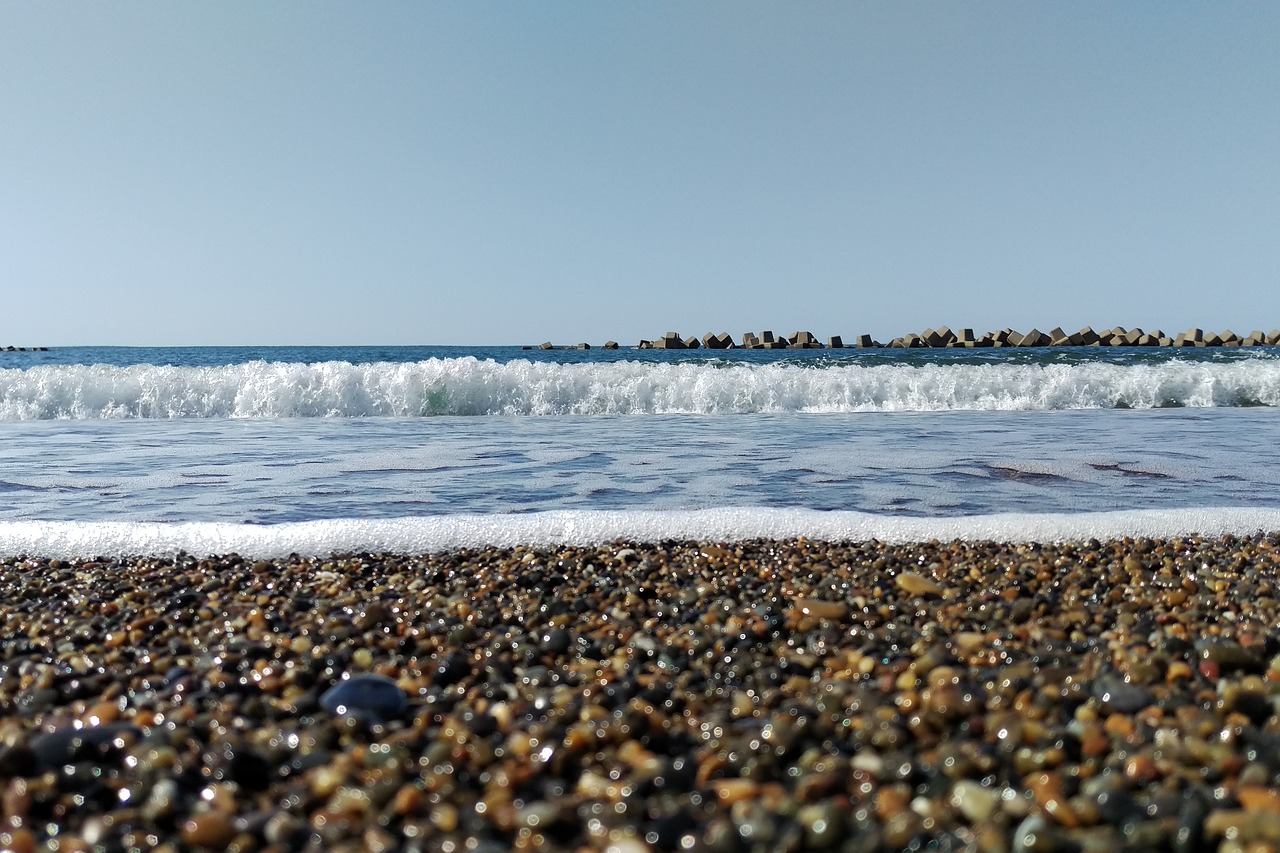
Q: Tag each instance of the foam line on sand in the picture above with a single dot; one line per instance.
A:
(437, 533)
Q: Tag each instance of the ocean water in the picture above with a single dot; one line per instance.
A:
(310, 450)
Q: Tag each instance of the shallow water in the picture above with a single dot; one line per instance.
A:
(958, 463)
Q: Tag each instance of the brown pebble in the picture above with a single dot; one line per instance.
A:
(1046, 788)
(102, 712)
(1257, 798)
(20, 840)
(730, 791)
(892, 800)
(915, 584)
(407, 800)
(1243, 826)
(821, 609)
(210, 831)
(444, 817)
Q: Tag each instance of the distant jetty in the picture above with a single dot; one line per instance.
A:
(945, 338)
(24, 349)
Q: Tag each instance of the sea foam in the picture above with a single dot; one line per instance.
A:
(436, 533)
(470, 387)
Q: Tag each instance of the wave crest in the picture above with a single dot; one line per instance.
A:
(474, 387)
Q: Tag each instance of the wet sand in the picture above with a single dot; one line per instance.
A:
(682, 696)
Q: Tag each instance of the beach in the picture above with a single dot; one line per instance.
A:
(658, 601)
(752, 695)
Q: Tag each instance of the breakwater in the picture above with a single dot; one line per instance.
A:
(944, 337)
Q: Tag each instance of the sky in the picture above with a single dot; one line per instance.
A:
(508, 173)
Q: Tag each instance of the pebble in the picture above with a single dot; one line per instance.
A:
(1119, 696)
(1231, 656)
(975, 801)
(374, 699)
(209, 831)
(919, 585)
(1257, 798)
(754, 695)
(821, 609)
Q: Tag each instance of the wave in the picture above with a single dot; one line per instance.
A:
(471, 386)
(585, 527)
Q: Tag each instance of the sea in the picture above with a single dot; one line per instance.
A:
(269, 451)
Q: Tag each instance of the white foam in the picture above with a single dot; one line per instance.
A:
(470, 386)
(428, 534)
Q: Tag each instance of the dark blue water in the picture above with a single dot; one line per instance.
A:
(215, 356)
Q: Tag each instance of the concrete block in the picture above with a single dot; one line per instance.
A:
(939, 337)
(671, 340)
(691, 343)
(610, 345)
(866, 342)
(835, 342)
(1085, 337)
(546, 345)
(720, 341)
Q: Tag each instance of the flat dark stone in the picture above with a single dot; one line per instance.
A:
(373, 699)
(72, 746)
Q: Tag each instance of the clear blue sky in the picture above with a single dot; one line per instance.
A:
(485, 173)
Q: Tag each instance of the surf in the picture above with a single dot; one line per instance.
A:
(472, 387)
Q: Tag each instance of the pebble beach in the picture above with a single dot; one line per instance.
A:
(760, 695)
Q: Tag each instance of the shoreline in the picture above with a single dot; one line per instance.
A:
(759, 694)
(583, 528)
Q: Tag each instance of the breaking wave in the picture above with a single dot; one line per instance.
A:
(475, 387)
